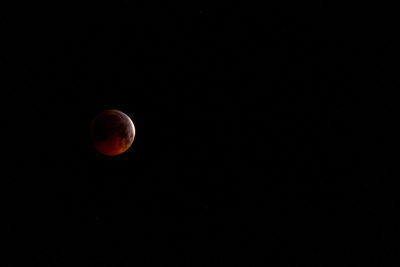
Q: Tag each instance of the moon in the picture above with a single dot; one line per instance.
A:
(112, 132)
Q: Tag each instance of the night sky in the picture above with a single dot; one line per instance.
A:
(263, 135)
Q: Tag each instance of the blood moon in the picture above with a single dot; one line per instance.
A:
(112, 132)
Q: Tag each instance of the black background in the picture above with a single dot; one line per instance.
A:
(264, 135)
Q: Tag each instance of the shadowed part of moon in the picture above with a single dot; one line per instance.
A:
(112, 132)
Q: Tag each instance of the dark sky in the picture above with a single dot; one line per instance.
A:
(256, 129)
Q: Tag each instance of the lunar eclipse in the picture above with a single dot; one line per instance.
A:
(112, 132)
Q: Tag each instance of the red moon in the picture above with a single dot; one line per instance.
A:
(112, 132)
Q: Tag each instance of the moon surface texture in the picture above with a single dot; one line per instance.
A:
(112, 132)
